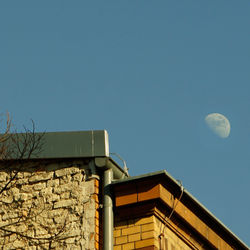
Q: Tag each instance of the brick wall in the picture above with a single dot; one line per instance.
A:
(143, 233)
(135, 233)
(169, 239)
(53, 206)
(96, 197)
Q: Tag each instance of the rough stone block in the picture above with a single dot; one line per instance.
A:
(65, 179)
(66, 171)
(46, 191)
(41, 177)
(26, 188)
(70, 241)
(21, 228)
(63, 188)
(78, 177)
(74, 232)
(3, 176)
(73, 217)
(18, 244)
(24, 197)
(39, 186)
(63, 203)
(10, 215)
(90, 213)
(52, 197)
(7, 199)
(78, 192)
(90, 187)
(65, 195)
(22, 181)
(53, 183)
(27, 174)
(55, 213)
(60, 220)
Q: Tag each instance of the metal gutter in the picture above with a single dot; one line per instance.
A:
(107, 163)
(166, 175)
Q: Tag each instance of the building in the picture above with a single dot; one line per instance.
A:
(73, 195)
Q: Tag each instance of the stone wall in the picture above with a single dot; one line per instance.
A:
(49, 206)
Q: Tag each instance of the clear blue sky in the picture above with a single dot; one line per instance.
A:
(148, 72)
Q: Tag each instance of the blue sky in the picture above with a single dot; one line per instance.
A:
(148, 72)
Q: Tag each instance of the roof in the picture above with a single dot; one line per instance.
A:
(75, 144)
(187, 198)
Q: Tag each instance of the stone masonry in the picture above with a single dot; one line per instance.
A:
(49, 206)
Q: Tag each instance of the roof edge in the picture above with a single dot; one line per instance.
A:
(165, 174)
(72, 144)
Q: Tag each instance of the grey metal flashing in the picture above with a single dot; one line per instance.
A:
(92, 144)
(188, 196)
(74, 144)
(141, 177)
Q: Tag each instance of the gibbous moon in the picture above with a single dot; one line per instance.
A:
(219, 124)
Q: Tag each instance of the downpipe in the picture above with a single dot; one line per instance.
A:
(110, 171)
(108, 216)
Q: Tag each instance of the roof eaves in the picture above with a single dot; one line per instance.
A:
(191, 197)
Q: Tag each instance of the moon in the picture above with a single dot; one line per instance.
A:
(219, 124)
